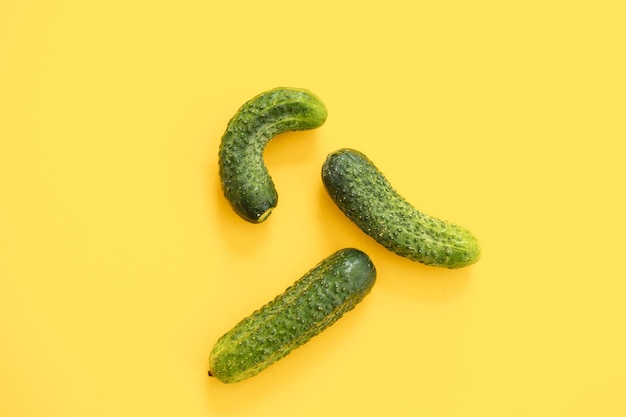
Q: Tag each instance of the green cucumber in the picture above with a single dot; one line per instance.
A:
(365, 196)
(314, 302)
(245, 180)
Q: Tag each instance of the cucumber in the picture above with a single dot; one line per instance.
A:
(314, 302)
(365, 196)
(245, 180)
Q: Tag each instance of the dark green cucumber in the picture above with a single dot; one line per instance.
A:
(366, 197)
(314, 302)
(245, 180)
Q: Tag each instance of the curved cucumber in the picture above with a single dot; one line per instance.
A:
(245, 180)
(366, 197)
(314, 302)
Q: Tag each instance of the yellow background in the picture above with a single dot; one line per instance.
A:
(121, 263)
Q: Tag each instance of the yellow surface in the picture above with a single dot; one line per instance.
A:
(121, 263)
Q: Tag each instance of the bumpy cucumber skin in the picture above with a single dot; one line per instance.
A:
(367, 198)
(245, 180)
(314, 302)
